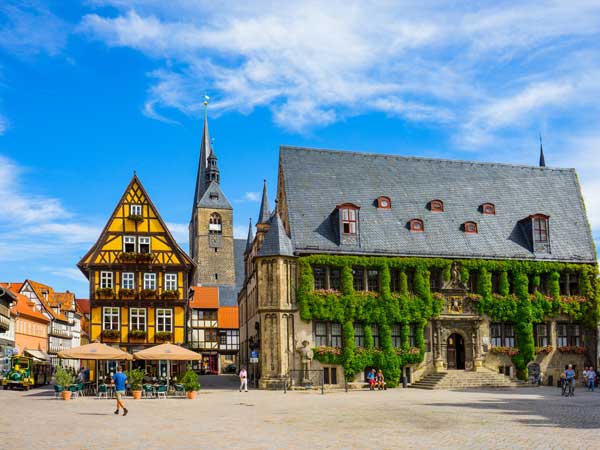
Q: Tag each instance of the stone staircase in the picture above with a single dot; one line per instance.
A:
(461, 379)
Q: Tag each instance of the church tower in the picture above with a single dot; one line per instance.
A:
(211, 225)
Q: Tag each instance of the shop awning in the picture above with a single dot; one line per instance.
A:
(95, 350)
(170, 352)
(37, 354)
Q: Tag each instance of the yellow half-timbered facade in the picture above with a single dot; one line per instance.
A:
(138, 277)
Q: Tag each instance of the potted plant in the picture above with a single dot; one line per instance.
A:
(63, 378)
(190, 383)
(135, 378)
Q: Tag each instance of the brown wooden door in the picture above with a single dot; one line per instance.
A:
(451, 351)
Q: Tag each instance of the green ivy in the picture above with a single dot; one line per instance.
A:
(386, 308)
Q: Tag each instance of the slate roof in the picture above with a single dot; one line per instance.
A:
(263, 214)
(276, 240)
(239, 247)
(317, 180)
(216, 200)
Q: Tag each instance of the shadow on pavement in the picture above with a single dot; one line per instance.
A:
(224, 382)
(548, 408)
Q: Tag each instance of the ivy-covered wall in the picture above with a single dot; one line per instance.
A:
(386, 308)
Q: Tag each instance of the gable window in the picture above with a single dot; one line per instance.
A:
(110, 318)
(568, 335)
(416, 225)
(171, 281)
(540, 228)
(540, 335)
(349, 221)
(164, 320)
(106, 280)
(320, 277)
(137, 319)
(436, 206)
(327, 334)
(397, 335)
(129, 244)
(384, 202)
(150, 281)
(127, 280)
(135, 210)
(470, 227)
(375, 333)
(144, 244)
(215, 224)
(359, 335)
(488, 209)
(358, 278)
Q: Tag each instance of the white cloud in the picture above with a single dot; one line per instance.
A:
(68, 273)
(240, 231)
(250, 197)
(180, 233)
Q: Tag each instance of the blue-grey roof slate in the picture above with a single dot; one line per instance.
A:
(239, 247)
(276, 241)
(317, 180)
(213, 197)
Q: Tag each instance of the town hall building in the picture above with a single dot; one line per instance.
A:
(418, 267)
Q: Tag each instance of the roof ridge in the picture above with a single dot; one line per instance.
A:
(423, 158)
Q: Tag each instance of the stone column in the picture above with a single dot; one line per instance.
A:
(478, 359)
(438, 359)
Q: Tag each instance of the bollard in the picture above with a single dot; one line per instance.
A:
(404, 382)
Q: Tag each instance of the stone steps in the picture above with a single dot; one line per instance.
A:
(459, 379)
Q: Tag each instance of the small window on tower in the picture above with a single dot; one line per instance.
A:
(436, 206)
(215, 225)
(470, 227)
(488, 209)
(384, 202)
(416, 225)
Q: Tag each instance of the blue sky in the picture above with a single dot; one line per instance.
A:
(90, 91)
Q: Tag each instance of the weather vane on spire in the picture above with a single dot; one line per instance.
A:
(205, 103)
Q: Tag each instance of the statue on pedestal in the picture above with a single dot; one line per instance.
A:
(306, 355)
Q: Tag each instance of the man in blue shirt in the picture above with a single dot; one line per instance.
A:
(570, 377)
(120, 379)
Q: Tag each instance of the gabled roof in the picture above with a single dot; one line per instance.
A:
(39, 289)
(317, 180)
(93, 251)
(83, 305)
(213, 197)
(25, 307)
(276, 240)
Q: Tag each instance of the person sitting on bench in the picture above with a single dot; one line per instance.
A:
(380, 381)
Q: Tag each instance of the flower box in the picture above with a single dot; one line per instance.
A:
(105, 292)
(111, 334)
(126, 293)
(137, 334)
(547, 349)
(170, 294)
(133, 257)
(325, 292)
(571, 349)
(337, 351)
(144, 257)
(148, 293)
(137, 218)
(510, 351)
(163, 336)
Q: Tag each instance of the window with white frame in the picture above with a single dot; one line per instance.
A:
(106, 280)
(127, 280)
(144, 244)
(164, 320)
(129, 244)
(110, 318)
(150, 281)
(171, 281)
(135, 210)
(137, 319)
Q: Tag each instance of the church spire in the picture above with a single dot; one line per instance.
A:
(542, 159)
(205, 151)
(250, 238)
(264, 214)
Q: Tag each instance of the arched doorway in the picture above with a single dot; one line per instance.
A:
(456, 352)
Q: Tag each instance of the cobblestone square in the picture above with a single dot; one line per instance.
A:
(526, 418)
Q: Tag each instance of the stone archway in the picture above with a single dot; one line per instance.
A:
(455, 344)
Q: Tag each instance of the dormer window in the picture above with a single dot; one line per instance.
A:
(436, 206)
(470, 227)
(348, 218)
(384, 202)
(416, 226)
(540, 228)
(488, 209)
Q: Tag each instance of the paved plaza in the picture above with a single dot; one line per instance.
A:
(526, 418)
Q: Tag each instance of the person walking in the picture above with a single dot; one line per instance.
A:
(591, 379)
(243, 379)
(120, 379)
(570, 379)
